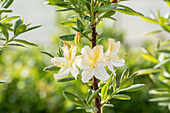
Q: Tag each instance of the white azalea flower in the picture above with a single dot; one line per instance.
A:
(67, 63)
(92, 62)
(112, 57)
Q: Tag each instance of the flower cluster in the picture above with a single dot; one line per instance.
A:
(91, 61)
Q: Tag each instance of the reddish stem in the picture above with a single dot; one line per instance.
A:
(95, 80)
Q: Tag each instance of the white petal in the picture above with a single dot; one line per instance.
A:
(74, 70)
(73, 52)
(66, 52)
(97, 52)
(86, 53)
(101, 73)
(64, 71)
(86, 75)
(60, 61)
(113, 47)
(79, 62)
(118, 62)
(110, 66)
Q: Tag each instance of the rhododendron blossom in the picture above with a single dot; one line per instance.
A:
(92, 62)
(66, 63)
(111, 55)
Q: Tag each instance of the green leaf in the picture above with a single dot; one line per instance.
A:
(127, 82)
(89, 94)
(80, 25)
(51, 68)
(164, 50)
(66, 79)
(47, 54)
(6, 3)
(75, 29)
(160, 99)
(87, 32)
(153, 32)
(73, 18)
(67, 37)
(129, 12)
(68, 23)
(108, 105)
(148, 71)
(105, 88)
(104, 91)
(24, 42)
(111, 18)
(15, 44)
(17, 24)
(73, 98)
(88, 109)
(114, 83)
(91, 109)
(2, 39)
(162, 63)
(34, 27)
(93, 95)
(108, 14)
(149, 58)
(21, 29)
(4, 31)
(125, 74)
(2, 81)
(159, 82)
(148, 19)
(132, 88)
(165, 43)
(68, 9)
(106, 8)
(5, 11)
(9, 19)
(121, 97)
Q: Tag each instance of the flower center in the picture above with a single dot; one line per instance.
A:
(93, 65)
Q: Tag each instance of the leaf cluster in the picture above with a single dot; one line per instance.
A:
(12, 25)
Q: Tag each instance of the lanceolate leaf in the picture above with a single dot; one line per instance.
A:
(93, 95)
(51, 68)
(47, 54)
(67, 37)
(69, 9)
(24, 42)
(106, 8)
(149, 19)
(68, 23)
(126, 83)
(128, 12)
(34, 27)
(15, 44)
(7, 20)
(160, 99)
(73, 98)
(149, 58)
(159, 82)
(2, 81)
(6, 3)
(147, 71)
(121, 97)
(162, 63)
(66, 79)
(132, 88)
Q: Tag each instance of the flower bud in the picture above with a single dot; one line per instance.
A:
(77, 39)
(66, 44)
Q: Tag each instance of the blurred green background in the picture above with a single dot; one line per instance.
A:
(30, 90)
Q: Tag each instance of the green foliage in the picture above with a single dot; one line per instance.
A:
(14, 25)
